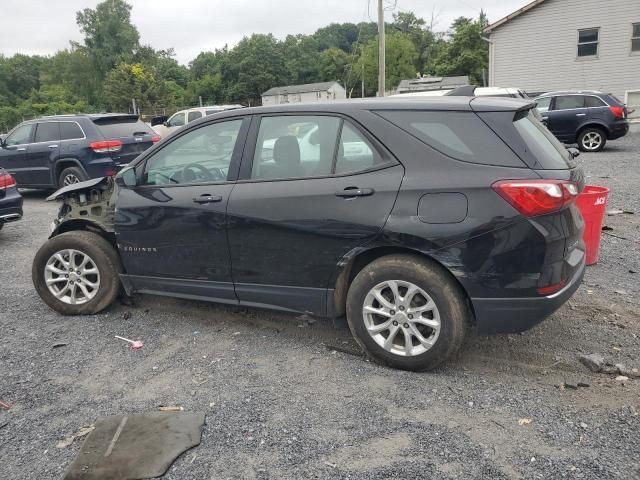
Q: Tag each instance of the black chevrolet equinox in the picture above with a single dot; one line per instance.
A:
(418, 219)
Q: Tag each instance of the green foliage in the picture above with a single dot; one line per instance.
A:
(400, 56)
(110, 66)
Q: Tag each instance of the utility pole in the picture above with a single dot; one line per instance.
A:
(381, 50)
(362, 83)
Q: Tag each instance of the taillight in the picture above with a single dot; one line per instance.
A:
(536, 197)
(106, 146)
(551, 289)
(618, 112)
(6, 181)
(155, 138)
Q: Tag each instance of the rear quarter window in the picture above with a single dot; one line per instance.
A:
(540, 144)
(120, 128)
(459, 135)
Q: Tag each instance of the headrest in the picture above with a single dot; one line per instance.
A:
(286, 151)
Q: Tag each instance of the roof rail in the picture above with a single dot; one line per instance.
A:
(466, 91)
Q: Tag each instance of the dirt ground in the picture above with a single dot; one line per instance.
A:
(287, 398)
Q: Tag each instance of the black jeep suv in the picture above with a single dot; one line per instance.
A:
(56, 151)
(416, 219)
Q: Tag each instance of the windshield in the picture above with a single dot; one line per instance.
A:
(548, 152)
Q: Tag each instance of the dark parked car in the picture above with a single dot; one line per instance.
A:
(55, 151)
(588, 118)
(417, 220)
(10, 199)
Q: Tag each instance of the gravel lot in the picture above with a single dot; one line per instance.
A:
(282, 403)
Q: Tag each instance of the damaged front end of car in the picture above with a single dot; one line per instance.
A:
(87, 206)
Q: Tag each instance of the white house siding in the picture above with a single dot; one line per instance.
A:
(537, 50)
(335, 92)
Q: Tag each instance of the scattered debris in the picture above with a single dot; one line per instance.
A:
(583, 425)
(59, 345)
(621, 292)
(329, 464)
(617, 211)
(584, 385)
(3, 424)
(606, 228)
(135, 344)
(622, 378)
(72, 438)
(597, 364)
(171, 409)
(524, 421)
(335, 348)
(571, 386)
(6, 406)
(632, 271)
(126, 315)
(593, 362)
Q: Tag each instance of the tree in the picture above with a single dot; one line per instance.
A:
(109, 35)
(132, 81)
(400, 62)
(301, 59)
(334, 65)
(466, 53)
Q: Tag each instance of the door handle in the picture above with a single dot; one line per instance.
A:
(580, 114)
(207, 198)
(352, 192)
(53, 146)
(21, 149)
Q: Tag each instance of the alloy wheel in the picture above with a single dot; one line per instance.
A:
(72, 277)
(592, 141)
(70, 179)
(401, 318)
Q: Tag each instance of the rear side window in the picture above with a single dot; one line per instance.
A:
(193, 116)
(122, 128)
(568, 102)
(70, 131)
(460, 135)
(47, 132)
(540, 143)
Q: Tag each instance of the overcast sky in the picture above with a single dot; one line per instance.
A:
(192, 26)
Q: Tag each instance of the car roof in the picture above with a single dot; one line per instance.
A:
(91, 116)
(391, 103)
(573, 92)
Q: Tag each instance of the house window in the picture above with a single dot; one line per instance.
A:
(588, 42)
(635, 38)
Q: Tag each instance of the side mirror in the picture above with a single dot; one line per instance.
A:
(127, 177)
(574, 152)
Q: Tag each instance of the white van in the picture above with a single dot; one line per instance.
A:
(183, 117)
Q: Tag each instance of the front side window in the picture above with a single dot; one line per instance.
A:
(177, 120)
(200, 156)
(20, 135)
(542, 104)
(588, 42)
(635, 37)
(47, 132)
(569, 102)
(193, 116)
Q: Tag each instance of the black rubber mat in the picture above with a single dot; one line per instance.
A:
(128, 447)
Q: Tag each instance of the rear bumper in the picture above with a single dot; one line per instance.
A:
(513, 315)
(619, 129)
(10, 206)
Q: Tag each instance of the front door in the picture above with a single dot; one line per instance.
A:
(302, 203)
(14, 154)
(170, 228)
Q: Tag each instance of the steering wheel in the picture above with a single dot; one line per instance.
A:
(206, 174)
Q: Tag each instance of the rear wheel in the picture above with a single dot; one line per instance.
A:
(77, 273)
(71, 175)
(407, 312)
(592, 140)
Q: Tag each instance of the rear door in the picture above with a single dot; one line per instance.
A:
(43, 152)
(567, 114)
(14, 154)
(302, 204)
(170, 228)
(134, 134)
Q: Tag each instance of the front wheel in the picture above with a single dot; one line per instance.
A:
(592, 140)
(77, 273)
(407, 312)
(71, 175)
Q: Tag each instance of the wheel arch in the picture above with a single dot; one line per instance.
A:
(592, 124)
(86, 226)
(351, 264)
(63, 163)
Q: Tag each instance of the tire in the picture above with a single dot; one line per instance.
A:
(592, 140)
(101, 255)
(71, 175)
(450, 308)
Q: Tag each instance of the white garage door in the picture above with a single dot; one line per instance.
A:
(633, 103)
